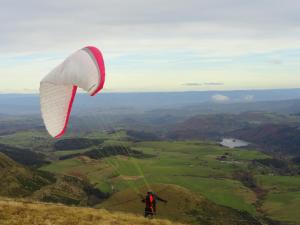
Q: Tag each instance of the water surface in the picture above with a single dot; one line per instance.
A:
(233, 143)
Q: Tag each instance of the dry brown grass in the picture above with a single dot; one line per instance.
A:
(36, 213)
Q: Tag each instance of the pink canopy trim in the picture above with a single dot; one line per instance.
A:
(99, 59)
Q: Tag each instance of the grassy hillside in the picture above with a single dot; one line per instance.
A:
(244, 180)
(277, 138)
(23, 156)
(283, 199)
(33, 139)
(19, 181)
(219, 174)
(252, 126)
(183, 206)
(26, 213)
(70, 190)
(193, 165)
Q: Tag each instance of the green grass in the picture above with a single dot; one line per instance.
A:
(283, 206)
(62, 166)
(283, 200)
(280, 183)
(189, 164)
(69, 152)
(99, 172)
(35, 140)
(181, 203)
(221, 191)
(119, 135)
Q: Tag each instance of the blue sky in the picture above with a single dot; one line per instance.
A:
(155, 45)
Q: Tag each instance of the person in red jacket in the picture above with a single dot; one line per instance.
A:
(150, 200)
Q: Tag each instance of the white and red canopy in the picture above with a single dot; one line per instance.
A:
(84, 69)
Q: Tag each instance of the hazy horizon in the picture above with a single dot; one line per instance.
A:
(105, 91)
(27, 103)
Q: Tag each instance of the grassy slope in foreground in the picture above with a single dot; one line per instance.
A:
(25, 213)
(183, 205)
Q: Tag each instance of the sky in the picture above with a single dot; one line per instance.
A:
(155, 45)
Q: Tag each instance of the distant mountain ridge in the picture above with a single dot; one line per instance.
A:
(29, 103)
(273, 138)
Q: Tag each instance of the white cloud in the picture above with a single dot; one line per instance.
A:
(118, 25)
(192, 84)
(214, 83)
(249, 98)
(220, 98)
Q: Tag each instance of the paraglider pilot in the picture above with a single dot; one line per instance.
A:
(150, 201)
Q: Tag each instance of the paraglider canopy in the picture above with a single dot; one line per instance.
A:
(84, 69)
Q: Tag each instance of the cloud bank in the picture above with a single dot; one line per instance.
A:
(220, 98)
(34, 25)
(155, 45)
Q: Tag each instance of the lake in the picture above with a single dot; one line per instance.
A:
(233, 143)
